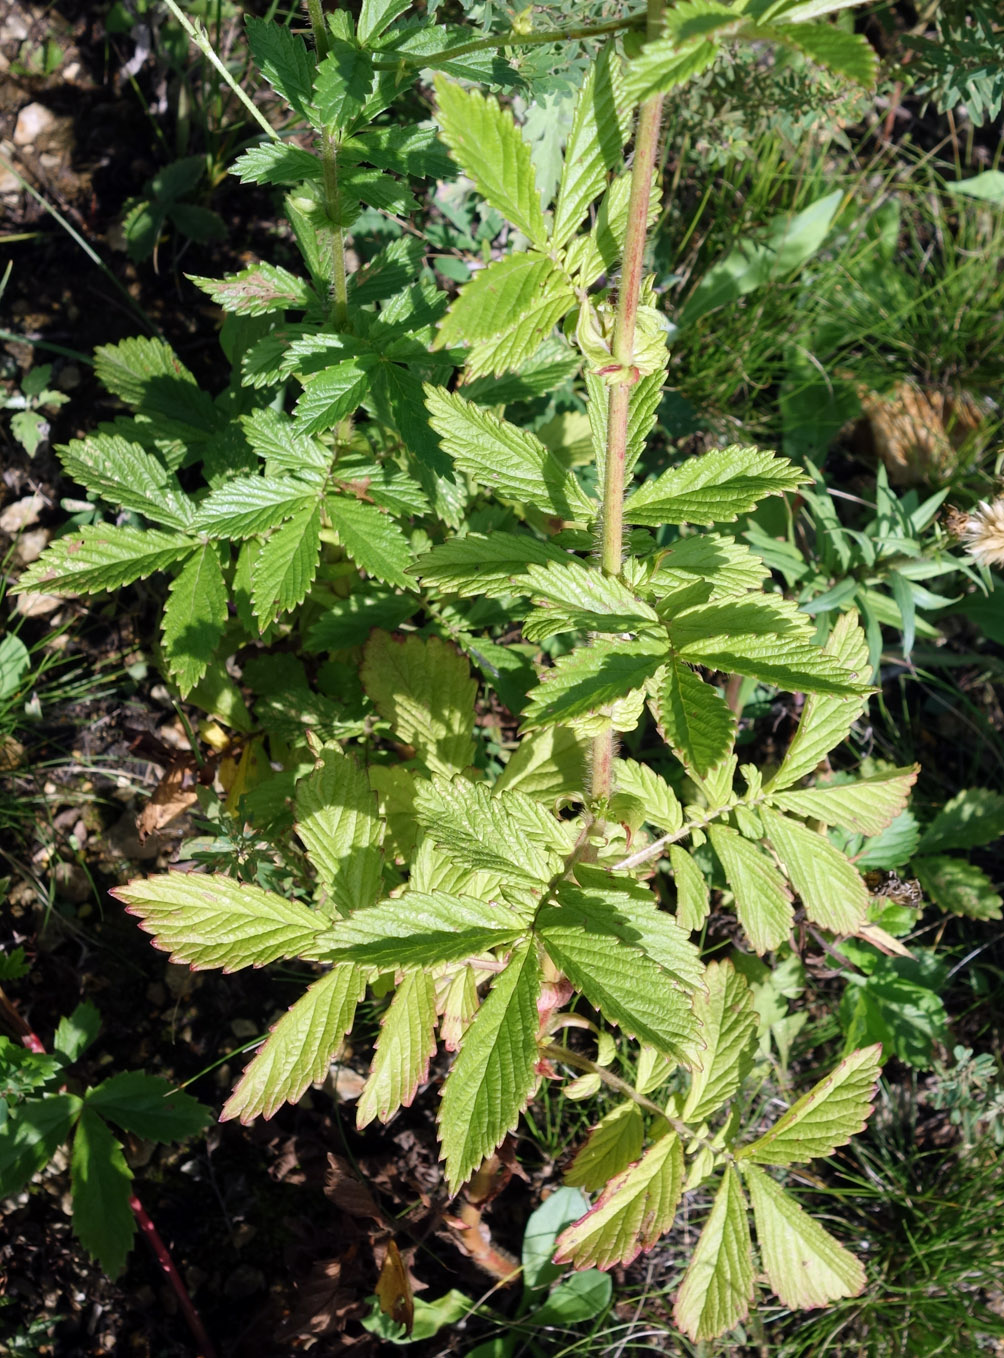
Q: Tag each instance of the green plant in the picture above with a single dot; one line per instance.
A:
(41, 1108)
(165, 201)
(383, 499)
(880, 567)
(971, 1092)
(29, 424)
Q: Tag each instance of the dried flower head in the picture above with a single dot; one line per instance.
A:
(982, 531)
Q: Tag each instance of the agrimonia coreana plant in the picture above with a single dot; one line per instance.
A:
(385, 496)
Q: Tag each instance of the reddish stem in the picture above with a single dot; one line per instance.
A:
(165, 1261)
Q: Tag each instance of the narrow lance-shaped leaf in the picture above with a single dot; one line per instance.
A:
(717, 1287)
(372, 539)
(693, 898)
(406, 1045)
(284, 569)
(495, 1071)
(828, 1116)
(214, 921)
(635, 1209)
(495, 299)
(127, 476)
(503, 833)
(300, 1047)
(805, 1265)
(490, 149)
(489, 566)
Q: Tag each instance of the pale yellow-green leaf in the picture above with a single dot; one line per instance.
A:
(611, 1146)
(729, 1026)
(634, 1210)
(337, 820)
(832, 890)
(804, 1264)
(828, 1116)
(763, 901)
(717, 1287)
(865, 806)
(406, 1045)
(424, 688)
(693, 899)
(300, 1046)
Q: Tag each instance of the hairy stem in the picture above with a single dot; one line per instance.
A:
(625, 324)
(332, 190)
(555, 1052)
(514, 38)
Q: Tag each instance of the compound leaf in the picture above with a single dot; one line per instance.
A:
(494, 1073)
(828, 1116)
(955, 885)
(971, 819)
(300, 1047)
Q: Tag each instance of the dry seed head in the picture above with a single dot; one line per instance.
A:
(981, 530)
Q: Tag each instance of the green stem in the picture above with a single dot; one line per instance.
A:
(200, 38)
(514, 38)
(555, 1052)
(332, 189)
(625, 324)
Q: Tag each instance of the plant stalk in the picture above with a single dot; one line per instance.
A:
(514, 38)
(332, 189)
(622, 348)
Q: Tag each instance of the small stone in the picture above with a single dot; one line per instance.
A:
(71, 882)
(38, 605)
(34, 121)
(22, 513)
(30, 546)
